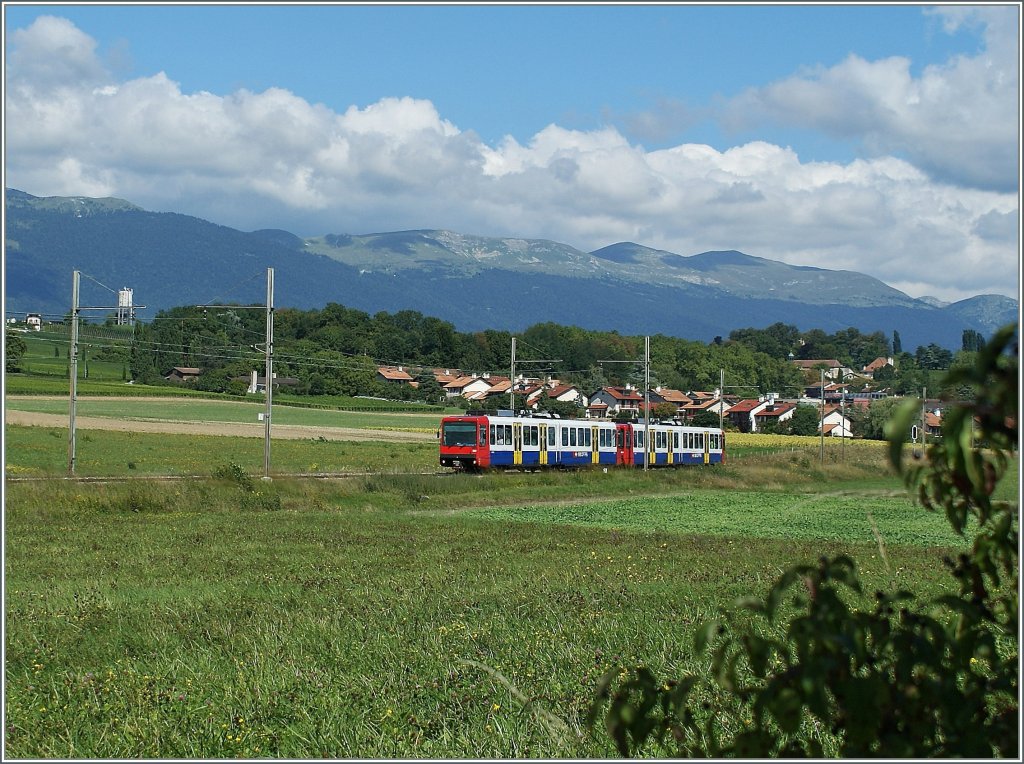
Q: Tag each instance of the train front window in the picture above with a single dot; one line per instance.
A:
(459, 434)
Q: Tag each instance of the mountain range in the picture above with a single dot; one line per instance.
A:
(475, 282)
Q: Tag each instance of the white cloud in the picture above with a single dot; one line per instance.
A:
(958, 121)
(273, 160)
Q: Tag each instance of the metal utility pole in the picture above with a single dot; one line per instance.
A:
(76, 309)
(721, 397)
(268, 352)
(842, 414)
(512, 380)
(74, 371)
(269, 372)
(647, 400)
(924, 424)
(821, 423)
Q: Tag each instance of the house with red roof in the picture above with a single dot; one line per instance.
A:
(879, 363)
(775, 412)
(619, 400)
(395, 375)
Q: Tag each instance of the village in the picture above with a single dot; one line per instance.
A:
(834, 402)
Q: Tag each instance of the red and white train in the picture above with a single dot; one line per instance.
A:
(480, 442)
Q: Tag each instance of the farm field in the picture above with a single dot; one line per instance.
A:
(391, 615)
(397, 613)
(193, 410)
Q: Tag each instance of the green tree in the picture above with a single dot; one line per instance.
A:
(705, 419)
(15, 348)
(972, 340)
(933, 356)
(429, 390)
(897, 343)
(776, 341)
(805, 420)
(937, 679)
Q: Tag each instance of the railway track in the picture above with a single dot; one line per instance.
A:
(171, 478)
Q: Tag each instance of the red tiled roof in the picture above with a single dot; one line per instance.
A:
(700, 405)
(554, 392)
(390, 372)
(744, 406)
(777, 410)
(458, 384)
(622, 394)
(672, 396)
(810, 363)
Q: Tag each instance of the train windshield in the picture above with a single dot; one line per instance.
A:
(459, 434)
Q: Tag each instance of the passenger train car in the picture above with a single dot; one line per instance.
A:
(480, 442)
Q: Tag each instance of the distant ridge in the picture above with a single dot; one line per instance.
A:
(476, 282)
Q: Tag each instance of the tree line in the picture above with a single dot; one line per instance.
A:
(336, 350)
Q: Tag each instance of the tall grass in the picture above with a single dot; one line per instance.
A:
(378, 617)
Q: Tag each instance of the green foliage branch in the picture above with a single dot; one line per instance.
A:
(816, 672)
(14, 348)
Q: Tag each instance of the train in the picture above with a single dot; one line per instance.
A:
(505, 440)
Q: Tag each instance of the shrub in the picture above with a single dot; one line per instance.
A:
(899, 679)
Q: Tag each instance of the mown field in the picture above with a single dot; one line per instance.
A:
(395, 615)
(400, 612)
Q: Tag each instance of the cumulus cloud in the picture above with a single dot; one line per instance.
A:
(958, 121)
(273, 160)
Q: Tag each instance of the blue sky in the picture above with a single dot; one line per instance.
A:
(487, 119)
(502, 70)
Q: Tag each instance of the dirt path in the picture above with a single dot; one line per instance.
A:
(237, 429)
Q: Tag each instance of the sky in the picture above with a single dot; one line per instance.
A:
(883, 139)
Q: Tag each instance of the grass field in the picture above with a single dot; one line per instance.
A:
(189, 410)
(393, 615)
(41, 451)
(397, 614)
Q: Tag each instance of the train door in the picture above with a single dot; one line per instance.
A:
(483, 454)
(624, 444)
(707, 447)
(652, 440)
(669, 436)
(517, 443)
(595, 455)
(543, 444)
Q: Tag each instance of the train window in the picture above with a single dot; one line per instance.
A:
(492, 434)
(565, 436)
(534, 438)
(508, 434)
(572, 436)
(586, 437)
(675, 440)
(458, 433)
(700, 441)
(551, 436)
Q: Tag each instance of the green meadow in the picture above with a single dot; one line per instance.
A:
(394, 614)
